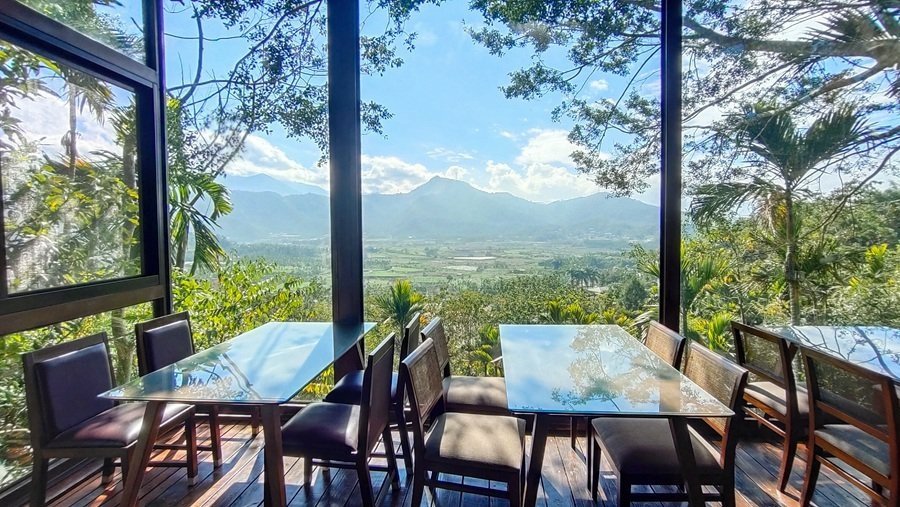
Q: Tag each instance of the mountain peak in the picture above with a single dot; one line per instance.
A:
(439, 184)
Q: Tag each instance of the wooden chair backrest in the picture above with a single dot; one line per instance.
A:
(665, 343)
(62, 383)
(375, 406)
(435, 331)
(421, 372)
(726, 381)
(163, 341)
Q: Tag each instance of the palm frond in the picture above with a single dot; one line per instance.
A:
(714, 200)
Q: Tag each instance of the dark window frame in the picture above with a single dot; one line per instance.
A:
(33, 31)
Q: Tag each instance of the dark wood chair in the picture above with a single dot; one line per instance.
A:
(852, 424)
(663, 342)
(343, 435)
(477, 395)
(349, 389)
(166, 340)
(488, 447)
(772, 397)
(642, 451)
(68, 419)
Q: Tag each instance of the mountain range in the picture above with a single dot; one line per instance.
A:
(266, 183)
(440, 209)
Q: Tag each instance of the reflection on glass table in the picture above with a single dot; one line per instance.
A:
(875, 348)
(266, 367)
(597, 371)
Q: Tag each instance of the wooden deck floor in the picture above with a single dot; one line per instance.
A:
(239, 481)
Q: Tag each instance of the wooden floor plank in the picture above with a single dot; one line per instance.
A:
(238, 482)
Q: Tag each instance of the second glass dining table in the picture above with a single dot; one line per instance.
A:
(265, 367)
(876, 348)
(602, 371)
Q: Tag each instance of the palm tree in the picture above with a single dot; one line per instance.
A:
(399, 303)
(555, 314)
(701, 271)
(784, 163)
(196, 199)
(487, 352)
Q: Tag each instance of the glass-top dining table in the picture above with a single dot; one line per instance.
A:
(873, 347)
(264, 367)
(597, 371)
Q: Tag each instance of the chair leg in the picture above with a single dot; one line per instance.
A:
(391, 458)
(400, 417)
(365, 483)
(589, 450)
(812, 474)
(727, 492)
(190, 438)
(109, 468)
(215, 435)
(126, 462)
(418, 488)
(38, 482)
(254, 420)
(624, 493)
(595, 469)
(307, 471)
(573, 432)
(787, 461)
(514, 490)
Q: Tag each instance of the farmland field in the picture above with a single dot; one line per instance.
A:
(431, 264)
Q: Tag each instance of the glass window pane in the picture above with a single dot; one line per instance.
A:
(513, 190)
(118, 24)
(68, 160)
(788, 147)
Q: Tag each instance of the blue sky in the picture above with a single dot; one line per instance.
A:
(450, 116)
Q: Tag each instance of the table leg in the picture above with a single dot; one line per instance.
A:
(538, 444)
(140, 457)
(274, 461)
(687, 460)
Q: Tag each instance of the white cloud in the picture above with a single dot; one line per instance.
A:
(538, 182)
(508, 135)
(599, 85)
(448, 155)
(392, 175)
(262, 157)
(546, 147)
(46, 120)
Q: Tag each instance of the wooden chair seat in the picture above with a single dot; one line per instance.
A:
(772, 396)
(325, 430)
(117, 427)
(457, 440)
(478, 395)
(639, 448)
(858, 444)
